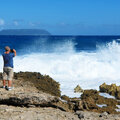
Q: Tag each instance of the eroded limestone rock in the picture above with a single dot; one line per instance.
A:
(78, 89)
(112, 89)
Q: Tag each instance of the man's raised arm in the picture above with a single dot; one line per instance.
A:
(14, 52)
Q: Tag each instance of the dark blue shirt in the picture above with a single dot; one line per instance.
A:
(8, 59)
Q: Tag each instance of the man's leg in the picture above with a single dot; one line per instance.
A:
(9, 83)
(10, 78)
(4, 82)
(4, 77)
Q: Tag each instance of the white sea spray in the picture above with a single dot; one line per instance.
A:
(70, 68)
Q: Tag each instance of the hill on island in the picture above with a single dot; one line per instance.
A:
(24, 32)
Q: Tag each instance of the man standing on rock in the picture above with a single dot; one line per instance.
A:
(8, 67)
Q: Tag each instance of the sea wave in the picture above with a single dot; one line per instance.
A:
(88, 69)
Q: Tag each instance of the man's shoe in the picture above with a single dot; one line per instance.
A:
(4, 87)
(10, 88)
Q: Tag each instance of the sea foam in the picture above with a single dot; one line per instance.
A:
(69, 68)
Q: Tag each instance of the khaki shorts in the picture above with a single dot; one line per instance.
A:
(7, 73)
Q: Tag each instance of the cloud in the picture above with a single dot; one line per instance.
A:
(2, 22)
(15, 23)
(18, 22)
(34, 24)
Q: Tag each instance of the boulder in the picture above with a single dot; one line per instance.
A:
(25, 99)
(65, 106)
(90, 99)
(65, 97)
(85, 115)
(112, 89)
(78, 89)
(88, 115)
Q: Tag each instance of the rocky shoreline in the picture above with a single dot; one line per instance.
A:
(38, 97)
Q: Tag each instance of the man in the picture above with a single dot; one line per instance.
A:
(8, 67)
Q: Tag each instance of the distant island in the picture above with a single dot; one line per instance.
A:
(24, 32)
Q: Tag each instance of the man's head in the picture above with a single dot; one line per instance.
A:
(7, 48)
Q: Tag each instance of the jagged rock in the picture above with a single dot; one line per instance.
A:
(68, 107)
(79, 105)
(87, 115)
(64, 97)
(118, 95)
(80, 114)
(38, 113)
(91, 98)
(78, 89)
(84, 115)
(25, 99)
(103, 114)
(42, 82)
(31, 97)
(110, 89)
(26, 95)
(41, 100)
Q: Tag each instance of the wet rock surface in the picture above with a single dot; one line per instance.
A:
(112, 89)
(92, 99)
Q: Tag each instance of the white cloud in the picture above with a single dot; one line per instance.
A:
(2, 22)
(31, 24)
(15, 23)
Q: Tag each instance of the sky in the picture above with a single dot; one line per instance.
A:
(62, 17)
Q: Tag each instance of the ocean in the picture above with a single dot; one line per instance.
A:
(71, 60)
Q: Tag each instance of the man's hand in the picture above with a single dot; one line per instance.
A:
(14, 52)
